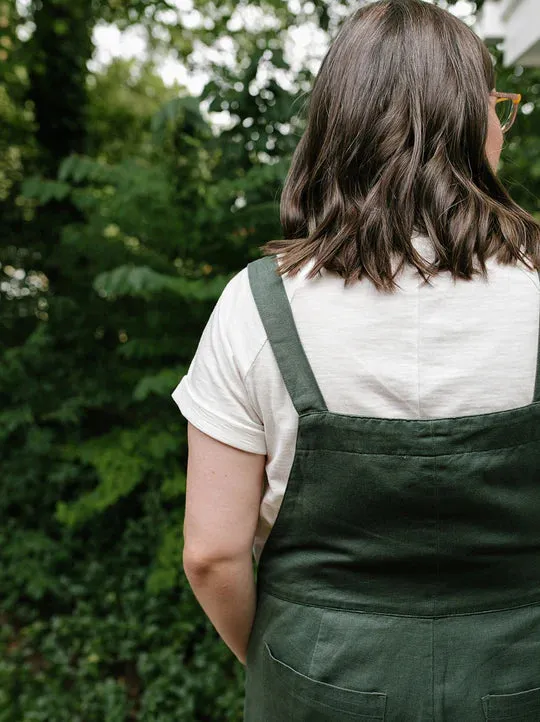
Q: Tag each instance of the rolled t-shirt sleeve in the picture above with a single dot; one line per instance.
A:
(212, 395)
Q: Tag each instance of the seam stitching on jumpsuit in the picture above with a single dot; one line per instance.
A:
(433, 669)
(465, 417)
(305, 698)
(425, 456)
(316, 644)
(303, 603)
(437, 585)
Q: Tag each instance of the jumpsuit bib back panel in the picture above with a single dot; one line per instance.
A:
(401, 579)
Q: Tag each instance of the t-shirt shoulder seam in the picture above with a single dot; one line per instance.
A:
(258, 315)
(255, 358)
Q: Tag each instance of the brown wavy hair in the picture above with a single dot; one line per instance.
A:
(395, 144)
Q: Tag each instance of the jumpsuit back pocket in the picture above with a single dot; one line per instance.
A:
(515, 707)
(290, 696)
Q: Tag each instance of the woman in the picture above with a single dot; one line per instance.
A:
(364, 403)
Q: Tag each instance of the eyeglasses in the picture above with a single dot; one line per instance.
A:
(506, 107)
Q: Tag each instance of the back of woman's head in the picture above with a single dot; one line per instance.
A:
(395, 143)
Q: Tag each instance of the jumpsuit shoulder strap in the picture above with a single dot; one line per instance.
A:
(276, 315)
(537, 384)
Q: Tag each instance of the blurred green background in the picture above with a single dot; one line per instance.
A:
(125, 209)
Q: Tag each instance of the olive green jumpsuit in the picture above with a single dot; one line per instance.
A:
(401, 579)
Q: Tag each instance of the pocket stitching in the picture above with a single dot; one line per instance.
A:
(495, 705)
(379, 698)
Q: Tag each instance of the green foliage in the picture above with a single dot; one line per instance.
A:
(44, 191)
(119, 464)
(124, 216)
(520, 166)
(122, 105)
(144, 282)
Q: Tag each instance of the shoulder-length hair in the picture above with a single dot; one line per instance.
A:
(395, 145)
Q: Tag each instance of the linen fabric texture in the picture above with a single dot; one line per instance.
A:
(401, 579)
(447, 349)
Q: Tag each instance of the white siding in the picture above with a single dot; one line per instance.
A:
(517, 22)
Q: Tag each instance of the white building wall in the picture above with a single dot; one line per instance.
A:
(489, 24)
(517, 23)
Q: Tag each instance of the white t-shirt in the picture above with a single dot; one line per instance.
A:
(449, 349)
